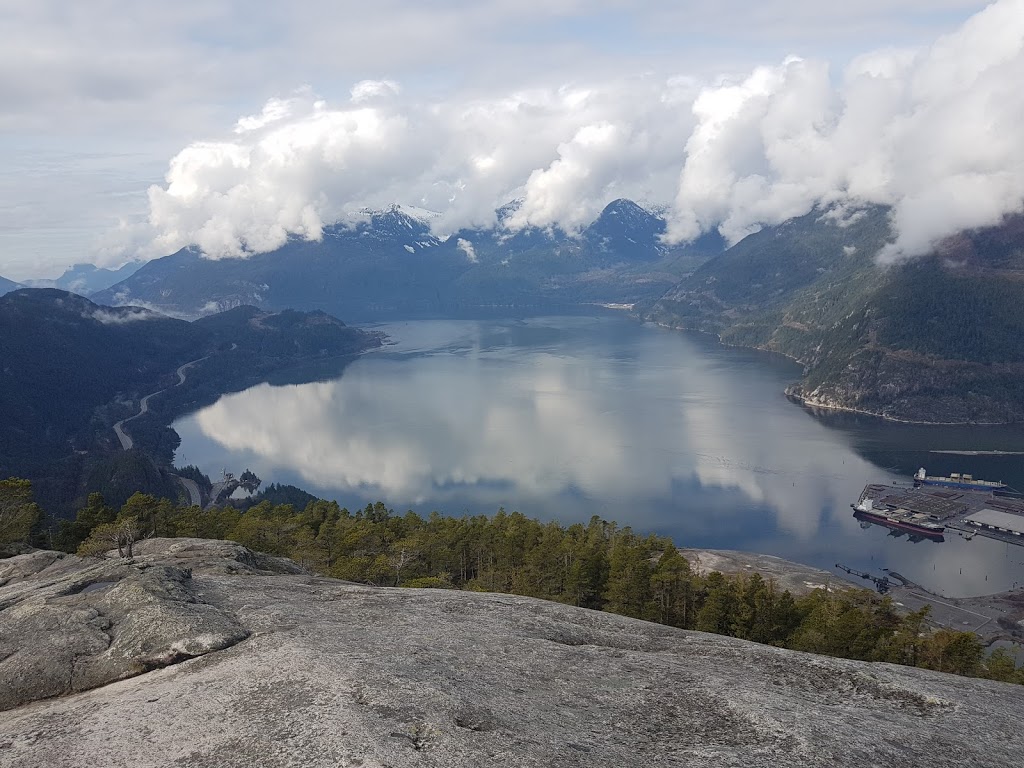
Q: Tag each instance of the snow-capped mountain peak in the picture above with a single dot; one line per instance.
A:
(405, 225)
(421, 215)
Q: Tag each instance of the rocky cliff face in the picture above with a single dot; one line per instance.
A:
(224, 658)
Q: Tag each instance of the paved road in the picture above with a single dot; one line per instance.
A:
(195, 498)
(124, 437)
(980, 615)
(126, 441)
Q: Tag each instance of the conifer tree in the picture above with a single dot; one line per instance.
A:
(18, 513)
(672, 589)
(629, 576)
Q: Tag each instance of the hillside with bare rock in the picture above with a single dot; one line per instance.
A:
(204, 654)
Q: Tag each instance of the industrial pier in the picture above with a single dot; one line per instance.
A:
(982, 509)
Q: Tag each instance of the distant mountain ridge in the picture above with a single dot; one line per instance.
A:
(396, 223)
(934, 340)
(938, 339)
(87, 279)
(6, 286)
(389, 262)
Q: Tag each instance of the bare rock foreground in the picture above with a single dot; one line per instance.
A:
(200, 653)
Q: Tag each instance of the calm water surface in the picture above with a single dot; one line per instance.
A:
(567, 417)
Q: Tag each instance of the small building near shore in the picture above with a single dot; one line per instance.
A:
(994, 520)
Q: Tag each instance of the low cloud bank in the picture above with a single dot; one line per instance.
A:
(123, 317)
(301, 164)
(933, 133)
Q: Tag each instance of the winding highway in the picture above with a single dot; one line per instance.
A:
(195, 498)
(126, 441)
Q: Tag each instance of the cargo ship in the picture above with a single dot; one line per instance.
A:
(900, 519)
(957, 480)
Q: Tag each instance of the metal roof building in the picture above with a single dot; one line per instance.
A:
(1000, 521)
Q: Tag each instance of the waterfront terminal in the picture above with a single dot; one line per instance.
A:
(932, 506)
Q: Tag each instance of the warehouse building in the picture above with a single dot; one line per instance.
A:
(994, 520)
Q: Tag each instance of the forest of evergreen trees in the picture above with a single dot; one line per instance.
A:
(598, 565)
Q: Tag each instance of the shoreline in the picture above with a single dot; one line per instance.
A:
(981, 453)
(810, 403)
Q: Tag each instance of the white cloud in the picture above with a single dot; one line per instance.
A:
(931, 132)
(566, 193)
(365, 90)
(934, 133)
(467, 248)
(301, 164)
(128, 315)
(273, 111)
(496, 91)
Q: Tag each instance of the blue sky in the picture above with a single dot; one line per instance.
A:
(98, 98)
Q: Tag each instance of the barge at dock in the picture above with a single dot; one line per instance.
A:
(929, 509)
(957, 480)
(899, 519)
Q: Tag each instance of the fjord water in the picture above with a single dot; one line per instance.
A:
(567, 417)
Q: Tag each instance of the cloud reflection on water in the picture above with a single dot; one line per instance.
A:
(564, 418)
(619, 419)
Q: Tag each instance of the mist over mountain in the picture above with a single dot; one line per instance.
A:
(934, 340)
(390, 263)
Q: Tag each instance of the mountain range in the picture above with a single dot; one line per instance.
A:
(87, 279)
(935, 339)
(6, 286)
(390, 263)
(83, 279)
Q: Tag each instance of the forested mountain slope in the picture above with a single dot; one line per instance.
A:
(70, 368)
(938, 339)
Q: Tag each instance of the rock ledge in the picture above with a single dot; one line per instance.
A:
(205, 654)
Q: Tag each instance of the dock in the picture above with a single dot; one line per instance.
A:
(996, 514)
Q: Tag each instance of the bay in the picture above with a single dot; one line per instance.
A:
(567, 417)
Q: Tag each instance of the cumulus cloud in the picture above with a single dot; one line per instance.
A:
(562, 194)
(366, 90)
(288, 171)
(112, 90)
(934, 133)
(301, 164)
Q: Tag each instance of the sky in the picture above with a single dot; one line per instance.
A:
(129, 129)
